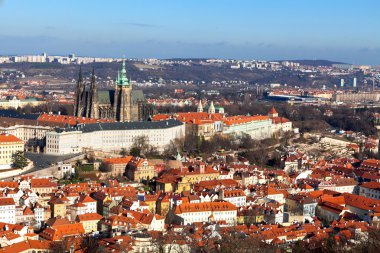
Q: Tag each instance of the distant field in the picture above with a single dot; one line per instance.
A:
(143, 66)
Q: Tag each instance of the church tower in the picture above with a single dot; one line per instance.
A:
(273, 113)
(200, 107)
(122, 106)
(211, 109)
(93, 111)
(79, 96)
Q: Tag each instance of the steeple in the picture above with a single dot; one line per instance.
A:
(122, 79)
(200, 107)
(80, 78)
(211, 109)
(79, 95)
(93, 77)
(123, 103)
(273, 113)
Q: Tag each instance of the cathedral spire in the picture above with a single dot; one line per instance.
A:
(80, 78)
(122, 79)
(93, 76)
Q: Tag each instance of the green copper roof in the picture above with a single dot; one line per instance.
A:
(122, 76)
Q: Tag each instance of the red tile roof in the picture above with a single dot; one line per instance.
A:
(5, 138)
(236, 120)
(7, 201)
(70, 120)
(273, 111)
(89, 217)
(27, 246)
(118, 160)
(41, 182)
(371, 185)
(59, 232)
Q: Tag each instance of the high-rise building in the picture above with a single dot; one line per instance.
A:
(354, 82)
(341, 82)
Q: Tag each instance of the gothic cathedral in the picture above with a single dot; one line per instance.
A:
(121, 104)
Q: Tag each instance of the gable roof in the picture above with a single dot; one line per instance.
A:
(9, 138)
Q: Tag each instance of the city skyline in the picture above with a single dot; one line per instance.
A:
(288, 30)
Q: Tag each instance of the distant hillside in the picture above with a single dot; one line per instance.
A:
(326, 63)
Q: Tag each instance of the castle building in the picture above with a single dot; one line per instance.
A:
(112, 136)
(280, 125)
(121, 104)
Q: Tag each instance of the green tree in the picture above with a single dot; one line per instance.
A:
(124, 152)
(19, 160)
(135, 151)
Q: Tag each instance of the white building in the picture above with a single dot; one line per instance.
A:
(236, 197)
(7, 210)
(342, 185)
(370, 190)
(66, 169)
(30, 134)
(280, 125)
(188, 213)
(15, 103)
(89, 202)
(112, 136)
(38, 213)
(258, 127)
(9, 145)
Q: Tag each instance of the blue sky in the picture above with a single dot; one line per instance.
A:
(341, 30)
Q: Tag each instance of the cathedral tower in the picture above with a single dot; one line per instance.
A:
(122, 106)
(93, 100)
(79, 95)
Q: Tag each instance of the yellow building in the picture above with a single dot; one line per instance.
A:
(248, 216)
(9, 144)
(116, 166)
(167, 183)
(173, 183)
(183, 185)
(151, 201)
(57, 207)
(89, 221)
(199, 174)
(163, 205)
(139, 169)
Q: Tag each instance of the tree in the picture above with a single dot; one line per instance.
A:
(191, 143)
(246, 141)
(152, 152)
(207, 148)
(62, 246)
(135, 151)
(19, 160)
(141, 143)
(123, 152)
(89, 244)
